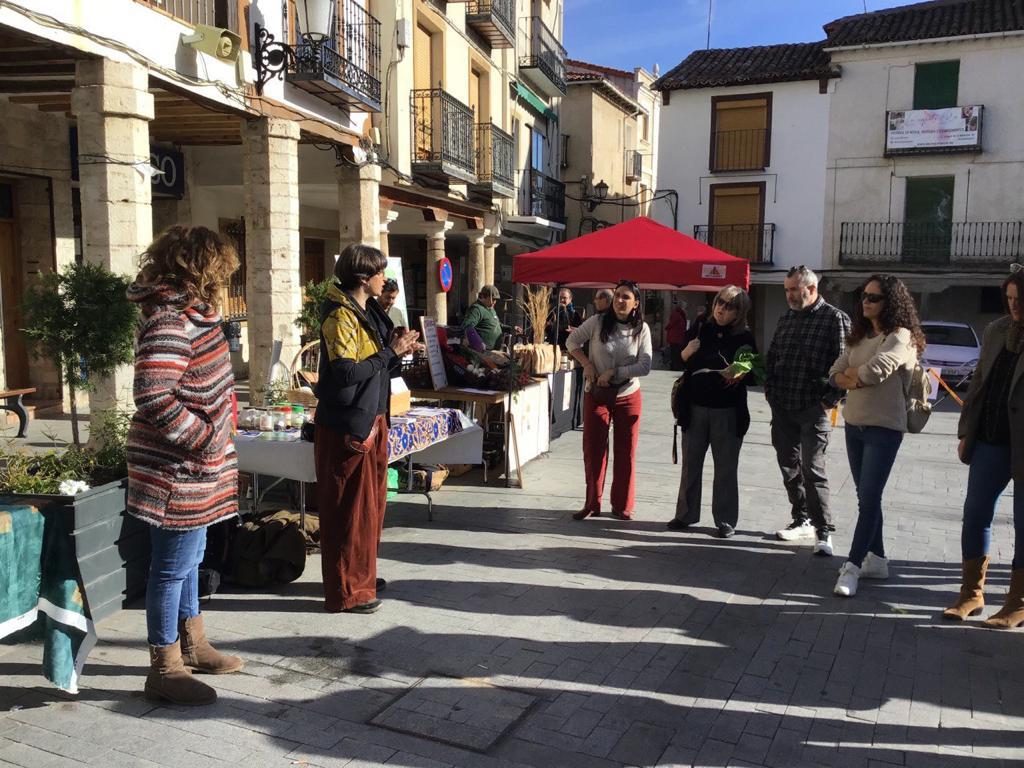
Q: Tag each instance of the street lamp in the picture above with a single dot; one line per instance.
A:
(599, 196)
(314, 19)
(271, 58)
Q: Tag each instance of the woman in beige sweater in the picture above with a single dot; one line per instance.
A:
(881, 352)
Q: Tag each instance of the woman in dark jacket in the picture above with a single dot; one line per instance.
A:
(182, 469)
(714, 412)
(358, 350)
(991, 435)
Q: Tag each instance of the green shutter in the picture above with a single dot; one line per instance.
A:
(936, 84)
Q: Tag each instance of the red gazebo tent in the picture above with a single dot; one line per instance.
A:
(642, 250)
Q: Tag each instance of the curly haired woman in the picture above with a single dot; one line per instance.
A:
(884, 345)
(182, 470)
(991, 435)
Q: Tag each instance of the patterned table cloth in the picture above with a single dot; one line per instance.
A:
(30, 540)
(420, 428)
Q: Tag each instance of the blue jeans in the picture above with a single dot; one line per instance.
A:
(872, 452)
(988, 478)
(172, 593)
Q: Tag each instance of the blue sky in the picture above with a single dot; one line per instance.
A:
(631, 33)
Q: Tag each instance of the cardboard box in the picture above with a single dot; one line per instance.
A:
(401, 399)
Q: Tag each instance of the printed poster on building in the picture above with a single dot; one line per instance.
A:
(955, 128)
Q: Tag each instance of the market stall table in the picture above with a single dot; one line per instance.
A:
(436, 435)
(39, 577)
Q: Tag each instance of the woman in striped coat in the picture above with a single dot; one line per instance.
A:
(182, 474)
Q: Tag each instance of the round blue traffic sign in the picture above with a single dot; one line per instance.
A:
(445, 274)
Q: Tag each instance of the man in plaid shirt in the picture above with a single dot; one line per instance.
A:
(807, 340)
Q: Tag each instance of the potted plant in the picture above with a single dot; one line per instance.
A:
(82, 320)
(308, 321)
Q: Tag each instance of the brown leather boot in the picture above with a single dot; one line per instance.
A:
(1012, 613)
(197, 653)
(971, 599)
(169, 680)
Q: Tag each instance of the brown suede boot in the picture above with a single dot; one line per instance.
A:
(169, 680)
(1012, 613)
(971, 599)
(198, 654)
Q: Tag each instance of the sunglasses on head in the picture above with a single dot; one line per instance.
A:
(725, 304)
(797, 270)
(872, 298)
(629, 284)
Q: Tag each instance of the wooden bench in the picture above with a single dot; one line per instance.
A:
(11, 401)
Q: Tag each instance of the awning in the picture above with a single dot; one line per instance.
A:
(535, 102)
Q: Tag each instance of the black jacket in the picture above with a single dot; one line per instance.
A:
(718, 348)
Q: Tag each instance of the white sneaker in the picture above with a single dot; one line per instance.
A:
(846, 584)
(796, 530)
(874, 567)
(823, 546)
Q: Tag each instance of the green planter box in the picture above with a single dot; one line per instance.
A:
(111, 547)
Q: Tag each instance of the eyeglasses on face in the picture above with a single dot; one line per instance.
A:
(725, 303)
(872, 298)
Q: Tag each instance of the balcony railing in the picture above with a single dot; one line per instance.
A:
(634, 166)
(494, 20)
(993, 244)
(542, 196)
(754, 242)
(344, 69)
(443, 136)
(543, 58)
(213, 13)
(494, 164)
(743, 150)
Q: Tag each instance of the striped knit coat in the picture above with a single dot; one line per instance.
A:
(182, 468)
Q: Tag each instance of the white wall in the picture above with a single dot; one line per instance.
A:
(863, 185)
(794, 182)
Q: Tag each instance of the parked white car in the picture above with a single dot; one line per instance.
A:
(952, 347)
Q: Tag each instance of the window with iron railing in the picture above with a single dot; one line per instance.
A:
(542, 196)
(634, 165)
(541, 49)
(740, 132)
(443, 130)
(495, 153)
(754, 242)
(214, 13)
(966, 243)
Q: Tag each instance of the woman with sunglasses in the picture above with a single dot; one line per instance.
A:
(714, 412)
(619, 353)
(883, 347)
(991, 435)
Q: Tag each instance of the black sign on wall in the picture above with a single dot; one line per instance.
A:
(169, 182)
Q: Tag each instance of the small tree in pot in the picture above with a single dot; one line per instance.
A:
(82, 320)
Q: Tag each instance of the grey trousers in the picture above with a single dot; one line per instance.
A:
(801, 439)
(714, 427)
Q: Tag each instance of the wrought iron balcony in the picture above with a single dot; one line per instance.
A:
(542, 196)
(964, 244)
(443, 137)
(494, 162)
(634, 166)
(494, 20)
(745, 150)
(213, 13)
(754, 242)
(342, 70)
(542, 61)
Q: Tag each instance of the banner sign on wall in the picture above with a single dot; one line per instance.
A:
(955, 129)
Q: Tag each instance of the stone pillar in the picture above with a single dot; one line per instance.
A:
(387, 218)
(477, 263)
(490, 243)
(358, 205)
(272, 285)
(113, 106)
(437, 300)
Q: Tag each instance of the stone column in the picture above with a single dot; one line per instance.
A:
(477, 263)
(113, 106)
(490, 243)
(437, 300)
(358, 205)
(272, 285)
(387, 218)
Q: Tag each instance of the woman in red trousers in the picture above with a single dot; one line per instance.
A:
(619, 353)
(358, 349)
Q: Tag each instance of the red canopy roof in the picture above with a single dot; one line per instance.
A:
(641, 250)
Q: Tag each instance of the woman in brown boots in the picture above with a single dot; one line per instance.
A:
(992, 441)
(182, 474)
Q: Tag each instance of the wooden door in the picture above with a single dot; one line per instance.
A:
(737, 213)
(13, 285)
(312, 267)
(423, 80)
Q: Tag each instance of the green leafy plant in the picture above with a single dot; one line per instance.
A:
(82, 320)
(313, 297)
(749, 361)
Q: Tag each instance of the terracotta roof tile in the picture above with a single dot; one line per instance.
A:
(925, 21)
(743, 66)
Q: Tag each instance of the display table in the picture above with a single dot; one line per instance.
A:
(525, 417)
(39, 576)
(428, 435)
